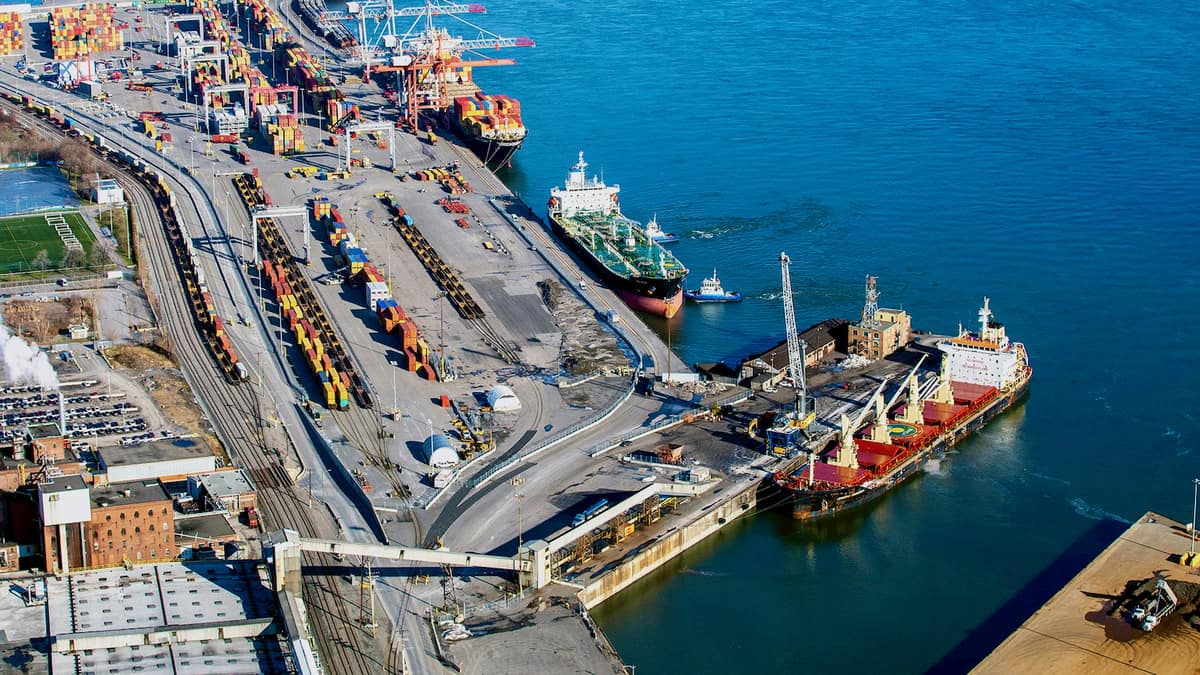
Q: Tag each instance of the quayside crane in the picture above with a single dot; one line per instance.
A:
(431, 65)
(784, 437)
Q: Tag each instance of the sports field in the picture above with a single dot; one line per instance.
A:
(22, 237)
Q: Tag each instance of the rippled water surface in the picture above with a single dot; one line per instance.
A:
(1044, 153)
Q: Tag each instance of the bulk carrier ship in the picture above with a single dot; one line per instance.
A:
(982, 375)
(586, 215)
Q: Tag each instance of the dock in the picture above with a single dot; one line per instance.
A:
(1085, 627)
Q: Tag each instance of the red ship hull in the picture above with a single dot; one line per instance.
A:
(664, 307)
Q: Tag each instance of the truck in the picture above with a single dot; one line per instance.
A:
(241, 155)
(1151, 611)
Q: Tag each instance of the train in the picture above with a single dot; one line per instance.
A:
(191, 274)
(589, 513)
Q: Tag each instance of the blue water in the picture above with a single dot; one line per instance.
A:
(1044, 153)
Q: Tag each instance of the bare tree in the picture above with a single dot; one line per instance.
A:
(40, 261)
(74, 257)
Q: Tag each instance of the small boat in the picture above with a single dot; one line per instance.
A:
(655, 233)
(710, 291)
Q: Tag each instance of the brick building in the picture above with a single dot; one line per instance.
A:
(45, 442)
(132, 521)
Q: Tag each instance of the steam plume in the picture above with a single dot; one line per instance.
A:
(24, 363)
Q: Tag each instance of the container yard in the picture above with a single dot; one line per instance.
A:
(80, 33)
(428, 293)
(12, 33)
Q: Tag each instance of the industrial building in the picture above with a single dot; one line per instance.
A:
(229, 491)
(175, 458)
(109, 192)
(45, 442)
(210, 617)
(821, 341)
(879, 332)
(120, 522)
(207, 535)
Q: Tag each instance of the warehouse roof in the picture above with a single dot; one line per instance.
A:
(132, 492)
(154, 451)
(211, 526)
(226, 483)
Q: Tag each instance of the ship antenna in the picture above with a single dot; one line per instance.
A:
(985, 313)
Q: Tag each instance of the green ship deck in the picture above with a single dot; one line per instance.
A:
(594, 230)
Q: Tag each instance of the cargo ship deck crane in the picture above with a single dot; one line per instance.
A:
(424, 56)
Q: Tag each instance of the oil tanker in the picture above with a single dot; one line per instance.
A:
(586, 214)
(491, 125)
(982, 374)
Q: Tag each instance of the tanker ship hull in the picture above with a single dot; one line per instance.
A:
(825, 503)
(661, 297)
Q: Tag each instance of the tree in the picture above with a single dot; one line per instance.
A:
(100, 254)
(40, 261)
(74, 257)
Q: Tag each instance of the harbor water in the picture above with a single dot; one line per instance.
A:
(1044, 154)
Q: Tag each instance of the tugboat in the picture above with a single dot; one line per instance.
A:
(654, 232)
(710, 291)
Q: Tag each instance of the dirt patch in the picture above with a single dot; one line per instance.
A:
(47, 322)
(140, 357)
(167, 387)
(586, 346)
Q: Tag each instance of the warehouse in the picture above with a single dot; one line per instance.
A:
(159, 459)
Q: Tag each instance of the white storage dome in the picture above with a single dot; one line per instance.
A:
(440, 452)
(502, 399)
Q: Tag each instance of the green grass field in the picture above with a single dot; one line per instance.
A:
(22, 237)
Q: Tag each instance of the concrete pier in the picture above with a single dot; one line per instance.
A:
(1085, 627)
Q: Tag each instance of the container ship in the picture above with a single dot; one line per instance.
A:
(491, 125)
(311, 10)
(586, 215)
(981, 375)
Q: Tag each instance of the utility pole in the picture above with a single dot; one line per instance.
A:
(516, 482)
(1195, 490)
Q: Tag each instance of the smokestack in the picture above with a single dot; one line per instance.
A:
(62, 413)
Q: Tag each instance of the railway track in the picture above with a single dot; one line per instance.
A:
(233, 412)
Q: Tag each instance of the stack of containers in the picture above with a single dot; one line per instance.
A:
(266, 24)
(490, 117)
(78, 33)
(336, 109)
(11, 41)
(280, 128)
(335, 385)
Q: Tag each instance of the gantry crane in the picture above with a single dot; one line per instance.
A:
(427, 59)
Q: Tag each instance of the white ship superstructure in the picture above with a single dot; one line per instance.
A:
(581, 193)
(985, 358)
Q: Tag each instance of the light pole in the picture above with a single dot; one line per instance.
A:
(517, 482)
(1195, 490)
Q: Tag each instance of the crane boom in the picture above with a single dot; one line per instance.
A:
(795, 346)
